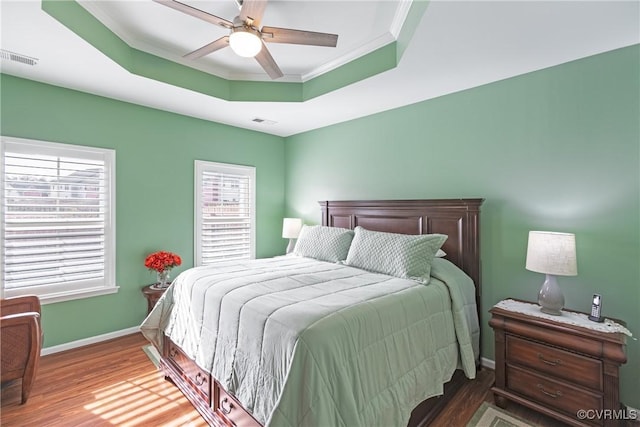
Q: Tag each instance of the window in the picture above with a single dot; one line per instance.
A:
(58, 220)
(225, 212)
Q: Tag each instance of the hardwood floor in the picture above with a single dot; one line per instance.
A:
(113, 383)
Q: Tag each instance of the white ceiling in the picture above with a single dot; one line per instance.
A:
(362, 26)
(457, 45)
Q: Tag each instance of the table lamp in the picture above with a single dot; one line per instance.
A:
(553, 254)
(291, 230)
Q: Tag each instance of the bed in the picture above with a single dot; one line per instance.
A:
(295, 369)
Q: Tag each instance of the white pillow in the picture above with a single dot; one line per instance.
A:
(399, 255)
(324, 243)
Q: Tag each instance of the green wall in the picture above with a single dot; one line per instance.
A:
(556, 149)
(155, 153)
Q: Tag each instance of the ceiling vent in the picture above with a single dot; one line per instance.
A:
(16, 57)
(264, 121)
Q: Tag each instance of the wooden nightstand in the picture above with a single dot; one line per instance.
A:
(556, 368)
(152, 296)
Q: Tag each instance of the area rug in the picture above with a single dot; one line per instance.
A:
(488, 415)
(152, 354)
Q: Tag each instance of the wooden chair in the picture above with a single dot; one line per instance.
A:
(21, 340)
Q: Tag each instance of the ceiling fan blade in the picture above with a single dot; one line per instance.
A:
(209, 48)
(287, 35)
(205, 16)
(267, 62)
(253, 9)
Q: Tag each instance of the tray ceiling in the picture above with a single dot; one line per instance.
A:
(362, 26)
(454, 46)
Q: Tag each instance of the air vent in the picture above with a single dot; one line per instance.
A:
(264, 121)
(16, 57)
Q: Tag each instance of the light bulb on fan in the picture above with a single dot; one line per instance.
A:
(245, 42)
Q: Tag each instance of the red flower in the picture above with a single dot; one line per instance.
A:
(161, 261)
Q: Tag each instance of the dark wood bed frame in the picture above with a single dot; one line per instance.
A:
(457, 218)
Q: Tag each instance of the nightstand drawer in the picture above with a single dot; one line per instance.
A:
(555, 362)
(555, 394)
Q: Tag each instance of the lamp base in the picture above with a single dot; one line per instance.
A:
(552, 312)
(550, 296)
(291, 245)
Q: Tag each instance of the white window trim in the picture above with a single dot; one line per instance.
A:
(202, 166)
(57, 293)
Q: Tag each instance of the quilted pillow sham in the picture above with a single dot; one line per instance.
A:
(399, 255)
(329, 244)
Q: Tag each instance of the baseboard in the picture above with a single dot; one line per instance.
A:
(487, 363)
(86, 341)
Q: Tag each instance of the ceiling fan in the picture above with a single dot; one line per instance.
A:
(247, 39)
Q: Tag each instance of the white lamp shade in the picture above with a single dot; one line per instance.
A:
(552, 253)
(245, 43)
(291, 228)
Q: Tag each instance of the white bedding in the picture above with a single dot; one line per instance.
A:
(304, 342)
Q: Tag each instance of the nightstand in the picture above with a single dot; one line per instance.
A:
(556, 368)
(152, 295)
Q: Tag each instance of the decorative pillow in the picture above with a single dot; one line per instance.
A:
(441, 254)
(323, 243)
(399, 255)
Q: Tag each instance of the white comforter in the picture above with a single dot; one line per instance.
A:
(304, 342)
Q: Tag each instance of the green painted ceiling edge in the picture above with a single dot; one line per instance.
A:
(80, 21)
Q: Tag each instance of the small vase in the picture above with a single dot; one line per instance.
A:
(163, 280)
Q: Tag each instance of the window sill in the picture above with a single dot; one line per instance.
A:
(51, 298)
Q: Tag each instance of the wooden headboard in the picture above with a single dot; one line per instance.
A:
(457, 218)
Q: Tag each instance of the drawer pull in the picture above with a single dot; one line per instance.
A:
(199, 379)
(554, 395)
(554, 362)
(228, 408)
(172, 352)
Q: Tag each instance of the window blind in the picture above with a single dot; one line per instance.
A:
(226, 199)
(54, 217)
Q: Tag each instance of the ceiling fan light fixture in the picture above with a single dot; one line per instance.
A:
(245, 42)
(245, 39)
